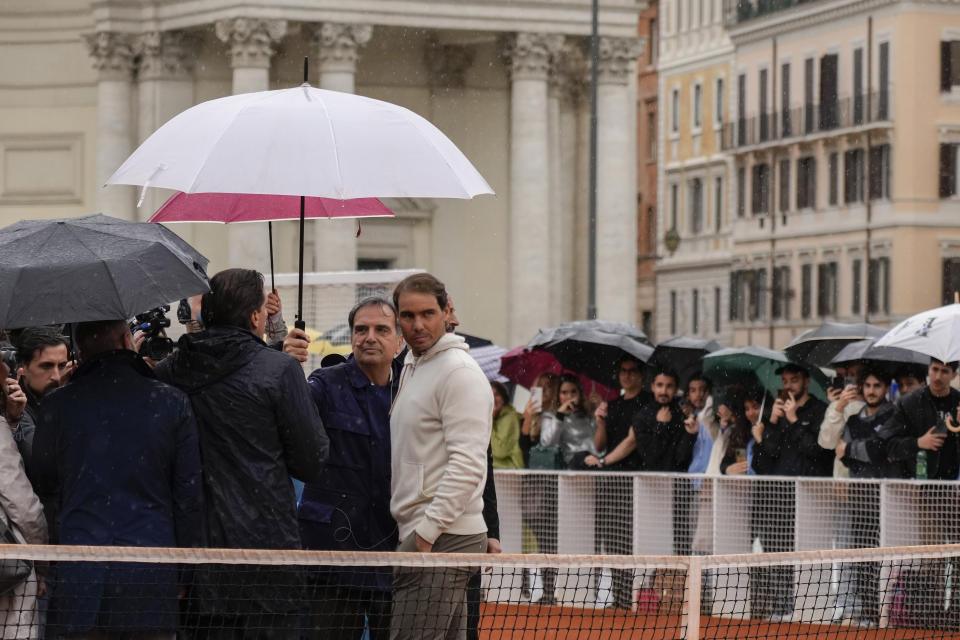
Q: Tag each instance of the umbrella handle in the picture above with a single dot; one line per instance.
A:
(273, 282)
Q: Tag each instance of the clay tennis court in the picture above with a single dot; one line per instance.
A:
(515, 622)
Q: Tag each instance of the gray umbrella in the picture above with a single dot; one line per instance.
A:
(819, 346)
(92, 268)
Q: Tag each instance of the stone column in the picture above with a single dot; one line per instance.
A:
(528, 56)
(165, 88)
(113, 59)
(571, 88)
(616, 180)
(251, 43)
(559, 231)
(334, 242)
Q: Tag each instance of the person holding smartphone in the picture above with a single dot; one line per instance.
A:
(788, 448)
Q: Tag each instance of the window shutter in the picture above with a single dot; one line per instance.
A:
(945, 64)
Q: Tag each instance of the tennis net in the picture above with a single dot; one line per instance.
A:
(123, 592)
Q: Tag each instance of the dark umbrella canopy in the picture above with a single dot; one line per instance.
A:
(682, 355)
(523, 365)
(819, 346)
(92, 268)
(886, 359)
(593, 348)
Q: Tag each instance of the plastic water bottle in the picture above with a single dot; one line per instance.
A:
(921, 465)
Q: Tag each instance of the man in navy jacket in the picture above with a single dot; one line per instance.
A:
(348, 507)
(122, 449)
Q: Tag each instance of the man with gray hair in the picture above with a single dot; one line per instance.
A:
(348, 507)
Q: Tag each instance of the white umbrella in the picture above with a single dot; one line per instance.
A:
(935, 332)
(302, 142)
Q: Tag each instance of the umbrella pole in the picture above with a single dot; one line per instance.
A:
(273, 282)
(299, 323)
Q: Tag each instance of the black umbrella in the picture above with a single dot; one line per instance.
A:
(594, 347)
(92, 268)
(887, 359)
(819, 346)
(683, 356)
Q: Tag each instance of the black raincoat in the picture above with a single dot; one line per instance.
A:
(258, 427)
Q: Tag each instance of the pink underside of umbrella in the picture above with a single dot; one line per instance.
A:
(523, 365)
(245, 207)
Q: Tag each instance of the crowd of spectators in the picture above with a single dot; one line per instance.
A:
(397, 447)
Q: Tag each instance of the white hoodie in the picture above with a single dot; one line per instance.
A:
(439, 432)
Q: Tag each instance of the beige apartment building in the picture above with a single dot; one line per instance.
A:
(843, 130)
(694, 228)
(83, 82)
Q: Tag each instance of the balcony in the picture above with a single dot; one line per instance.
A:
(739, 11)
(807, 120)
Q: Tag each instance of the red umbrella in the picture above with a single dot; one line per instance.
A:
(248, 207)
(522, 365)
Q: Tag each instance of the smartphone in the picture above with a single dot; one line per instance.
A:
(838, 382)
(536, 394)
(741, 454)
(783, 394)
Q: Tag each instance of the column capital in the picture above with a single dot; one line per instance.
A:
(339, 44)
(112, 53)
(529, 55)
(569, 73)
(251, 40)
(447, 64)
(616, 56)
(164, 55)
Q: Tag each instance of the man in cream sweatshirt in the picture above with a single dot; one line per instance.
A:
(439, 430)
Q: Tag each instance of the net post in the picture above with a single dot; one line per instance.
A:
(691, 597)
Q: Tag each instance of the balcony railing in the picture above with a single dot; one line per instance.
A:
(738, 11)
(807, 119)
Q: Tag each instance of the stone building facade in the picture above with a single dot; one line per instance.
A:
(82, 83)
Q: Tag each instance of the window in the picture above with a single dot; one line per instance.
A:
(651, 136)
(808, 95)
(883, 88)
(781, 293)
(785, 100)
(654, 41)
(742, 109)
(834, 167)
(646, 322)
(853, 176)
(696, 205)
(758, 295)
(856, 284)
(949, 65)
(806, 290)
(675, 111)
(741, 192)
(697, 106)
(373, 264)
(858, 86)
(951, 279)
(674, 198)
(948, 170)
(829, 97)
(736, 296)
(695, 305)
(878, 286)
(673, 313)
(784, 185)
(761, 189)
(717, 203)
(719, 100)
(880, 172)
(716, 310)
(806, 183)
(652, 239)
(764, 125)
(827, 289)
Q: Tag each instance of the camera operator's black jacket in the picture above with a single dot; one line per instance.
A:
(663, 446)
(258, 427)
(913, 416)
